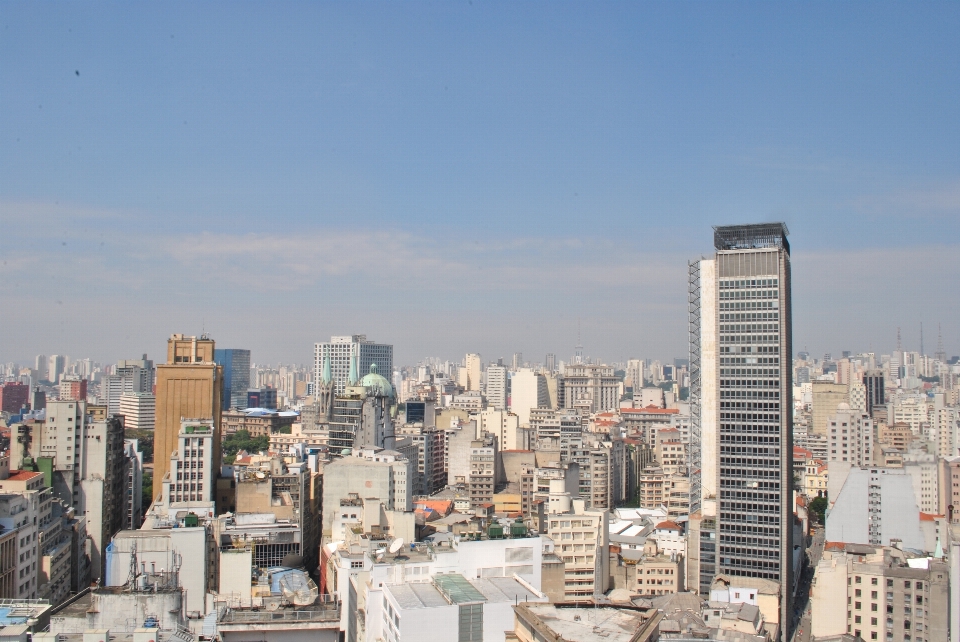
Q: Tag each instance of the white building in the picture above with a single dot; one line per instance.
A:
(496, 387)
(850, 436)
(373, 473)
(528, 390)
(340, 351)
(505, 426)
(139, 410)
(591, 387)
(875, 506)
(191, 477)
(450, 605)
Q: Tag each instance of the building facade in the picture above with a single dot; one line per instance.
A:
(341, 350)
(741, 399)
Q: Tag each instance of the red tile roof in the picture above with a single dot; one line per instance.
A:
(668, 525)
(652, 410)
(23, 475)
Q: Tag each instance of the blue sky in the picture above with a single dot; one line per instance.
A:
(454, 177)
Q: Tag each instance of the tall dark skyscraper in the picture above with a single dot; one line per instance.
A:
(741, 392)
(873, 382)
(236, 376)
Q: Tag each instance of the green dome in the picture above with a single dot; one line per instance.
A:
(377, 382)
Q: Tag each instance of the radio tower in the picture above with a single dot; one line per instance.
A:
(941, 355)
(899, 345)
(922, 353)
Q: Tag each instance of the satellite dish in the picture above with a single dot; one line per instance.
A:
(396, 545)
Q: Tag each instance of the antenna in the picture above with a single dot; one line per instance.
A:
(396, 545)
(941, 355)
(922, 353)
(899, 344)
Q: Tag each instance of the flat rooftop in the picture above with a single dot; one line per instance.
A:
(589, 623)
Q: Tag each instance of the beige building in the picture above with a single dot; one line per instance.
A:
(591, 387)
(879, 593)
(469, 374)
(581, 539)
(826, 397)
(190, 384)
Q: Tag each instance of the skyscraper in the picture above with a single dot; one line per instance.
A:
(189, 385)
(340, 350)
(236, 376)
(742, 425)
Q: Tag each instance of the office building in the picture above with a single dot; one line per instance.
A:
(73, 388)
(377, 473)
(876, 395)
(850, 437)
(741, 391)
(340, 352)
(550, 363)
(13, 397)
(84, 461)
(190, 476)
(528, 390)
(496, 387)
(826, 397)
(236, 377)
(129, 376)
(582, 541)
(139, 410)
(468, 376)
(592, 388)
(190, 384)
(880, 593)
(56, 364)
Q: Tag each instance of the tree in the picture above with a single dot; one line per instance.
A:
(146, 492)
(818, 509)
(241, 440)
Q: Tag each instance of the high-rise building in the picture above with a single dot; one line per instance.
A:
(496, 387)
(129, 376)
(827, 396)
(528, 390)
(73, 388)
(517, 361)
(236, 376)
(56, 364)
(741, 390)
(190, 385)
(592, 388)
(873, 381)
(41, 365)
(13, 397)
(339, 351)
(550, 364)
(139, 410)
(469, 375)
(850, 437)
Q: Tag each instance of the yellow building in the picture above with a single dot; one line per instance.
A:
(190, 384)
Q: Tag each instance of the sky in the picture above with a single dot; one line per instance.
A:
(456, 177)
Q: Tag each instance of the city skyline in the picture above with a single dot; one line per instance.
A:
(471, 163)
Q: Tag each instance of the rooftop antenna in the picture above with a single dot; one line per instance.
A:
(578, 357)
(899, 345)
(922, 353)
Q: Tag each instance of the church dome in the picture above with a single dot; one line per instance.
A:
(377, 383)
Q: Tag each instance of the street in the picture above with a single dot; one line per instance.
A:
(802, 610)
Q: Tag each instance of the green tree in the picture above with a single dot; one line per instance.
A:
(144, 442)
(241, 440)
(146, 494)
(818, 509)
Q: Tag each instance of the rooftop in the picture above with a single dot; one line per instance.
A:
(751, 236)
(608, 623)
